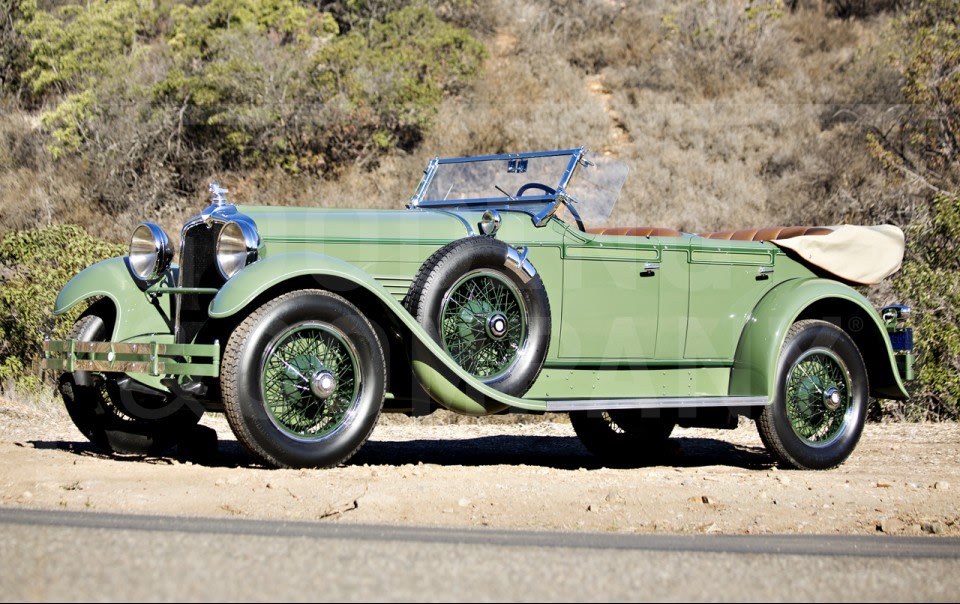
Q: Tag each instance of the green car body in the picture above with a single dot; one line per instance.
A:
(635, 322)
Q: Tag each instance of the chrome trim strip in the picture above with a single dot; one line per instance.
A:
(460, 160)
(424, 183)
(655, 403)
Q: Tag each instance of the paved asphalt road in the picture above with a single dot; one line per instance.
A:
(59, 555)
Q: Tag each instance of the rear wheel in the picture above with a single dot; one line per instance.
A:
(622, 437)
(118, 419)
(816, 417)
(303, 380)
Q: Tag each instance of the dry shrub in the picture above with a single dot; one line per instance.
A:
(723, 46)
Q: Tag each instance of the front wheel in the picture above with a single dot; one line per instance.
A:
(816, 417)
(117, 419)
(303, 380)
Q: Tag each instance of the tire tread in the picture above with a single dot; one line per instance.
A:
(766, 422)
(230, 368)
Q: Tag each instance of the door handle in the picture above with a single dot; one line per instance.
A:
(648, 269)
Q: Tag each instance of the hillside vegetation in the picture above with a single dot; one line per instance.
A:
(730, 114)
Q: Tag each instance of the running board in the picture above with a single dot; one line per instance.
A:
(654, 403)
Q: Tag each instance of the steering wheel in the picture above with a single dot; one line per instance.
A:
(536, 185)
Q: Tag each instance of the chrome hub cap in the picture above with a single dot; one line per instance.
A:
(832, 398)
(497, 325)
(323, 384)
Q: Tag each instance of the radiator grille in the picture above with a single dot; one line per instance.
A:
(198, 268)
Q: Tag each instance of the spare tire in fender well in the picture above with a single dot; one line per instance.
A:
(487, 307)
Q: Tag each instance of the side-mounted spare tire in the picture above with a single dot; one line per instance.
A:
(491, 316)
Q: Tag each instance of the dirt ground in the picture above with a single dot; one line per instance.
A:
(526, 474)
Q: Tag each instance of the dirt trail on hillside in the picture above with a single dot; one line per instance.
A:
(902, 479)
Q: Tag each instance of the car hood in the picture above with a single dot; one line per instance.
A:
(303, 224)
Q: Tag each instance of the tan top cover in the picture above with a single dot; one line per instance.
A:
(861, 254)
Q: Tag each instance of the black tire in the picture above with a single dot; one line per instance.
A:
(118, 420)
(485, 260)
(622, 438)
(816, 417)
(274, 412)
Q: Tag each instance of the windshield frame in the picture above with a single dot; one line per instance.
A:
(540, 207)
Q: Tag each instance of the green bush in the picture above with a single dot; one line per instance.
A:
(389, 80)
(34, 266)
(923, 149)
(930, 280)
(157, 96)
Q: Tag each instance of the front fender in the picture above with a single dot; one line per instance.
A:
(136, 313)
(439, 375)
(758, 353)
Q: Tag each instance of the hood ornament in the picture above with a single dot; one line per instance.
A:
(218, 194)
(219, 206)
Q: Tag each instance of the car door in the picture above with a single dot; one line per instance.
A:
(611, 301)
(727, 279)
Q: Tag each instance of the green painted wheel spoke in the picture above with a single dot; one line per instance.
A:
(466, 309)
(292, 360)
(814, 378)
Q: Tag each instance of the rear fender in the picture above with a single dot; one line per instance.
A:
(755, 366)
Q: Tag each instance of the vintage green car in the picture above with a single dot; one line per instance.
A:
(497, 289)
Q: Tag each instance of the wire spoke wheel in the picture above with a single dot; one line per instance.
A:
(487, 310)
(483, 324)
(818, 398)
(303, 380)
(820, 402)
(311, 380)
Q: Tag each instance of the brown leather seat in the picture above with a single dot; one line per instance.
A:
(636, 231)
(768, 233)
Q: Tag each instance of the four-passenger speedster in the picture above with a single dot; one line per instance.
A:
(501, 287)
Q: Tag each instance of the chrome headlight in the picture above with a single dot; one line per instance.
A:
(237, 246)
(150, 252)
(490, 223)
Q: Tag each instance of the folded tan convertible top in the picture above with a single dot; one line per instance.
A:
(861, 254)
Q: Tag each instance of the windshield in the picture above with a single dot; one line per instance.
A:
(497, 178)
(538, 183)
(596, 188)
